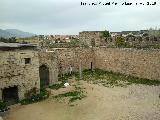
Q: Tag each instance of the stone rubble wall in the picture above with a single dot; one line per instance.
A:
(88, 36)
(139, 63)
(50, 59)
(144, 41)
(136, 62)
(14, 71)
(64, 58)
(73, 57)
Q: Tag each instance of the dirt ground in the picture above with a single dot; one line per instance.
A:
(135, 102)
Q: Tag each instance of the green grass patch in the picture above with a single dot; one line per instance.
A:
(3, 106)
(66, 76)
(111, 79)
(73, 95)
(57, 86)
(36, 98)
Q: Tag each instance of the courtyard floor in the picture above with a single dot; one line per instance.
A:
(133, 102)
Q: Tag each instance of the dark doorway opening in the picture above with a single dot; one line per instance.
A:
(10, 95)
(91, 66)
(93, 42)
(44, 76)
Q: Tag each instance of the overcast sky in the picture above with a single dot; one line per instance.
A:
(69, 17)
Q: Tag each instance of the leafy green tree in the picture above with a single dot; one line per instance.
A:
(12, 40)
(8, 40)
(120, 42)
(106, 34)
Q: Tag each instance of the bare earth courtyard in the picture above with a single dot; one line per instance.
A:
(134, 102)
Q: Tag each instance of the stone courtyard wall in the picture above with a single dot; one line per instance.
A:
(14, 71)
(50, 59)
(75, 57)
(136, 62)
(139, 63)
(59, 60)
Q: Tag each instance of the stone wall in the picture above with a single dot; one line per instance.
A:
(90, 37)
(14, 71)
(50, 59)
(75, 57)
(69, 57)
(135, 62)
(143, 42)
(140, 63)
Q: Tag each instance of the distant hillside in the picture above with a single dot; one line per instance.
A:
(14, 33)
(5, 34)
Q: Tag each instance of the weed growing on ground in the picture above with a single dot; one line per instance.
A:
(111, 79)
(36, 98)
(3, 106)
(57, 86)
(74, 95)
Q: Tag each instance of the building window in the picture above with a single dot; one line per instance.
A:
(27, 60)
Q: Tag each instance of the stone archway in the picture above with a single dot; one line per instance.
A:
(44, 76)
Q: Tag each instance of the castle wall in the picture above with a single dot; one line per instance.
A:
(135, 62)
(75, 57)
(60, 60)
(139, 63)
(14, 71)
(88, 36)
(50, 59)
(135, 41)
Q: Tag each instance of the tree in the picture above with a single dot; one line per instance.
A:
(120, 42)
(8, 40)
(12, 40)
(105, 34)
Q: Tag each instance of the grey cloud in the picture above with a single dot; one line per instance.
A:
(68, 17)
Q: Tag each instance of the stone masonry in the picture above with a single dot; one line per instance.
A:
(89, 37)
(50, 59)
(63, 58)
(136, 62)
(96, 37)
(16, 71)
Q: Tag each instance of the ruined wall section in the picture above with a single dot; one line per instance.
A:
(14, 71)
(87, 37)
(50, 59)
(74, 57)
(139, 63)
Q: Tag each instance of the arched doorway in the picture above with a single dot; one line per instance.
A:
(44, 76)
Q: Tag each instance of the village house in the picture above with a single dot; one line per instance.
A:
(19, 71)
